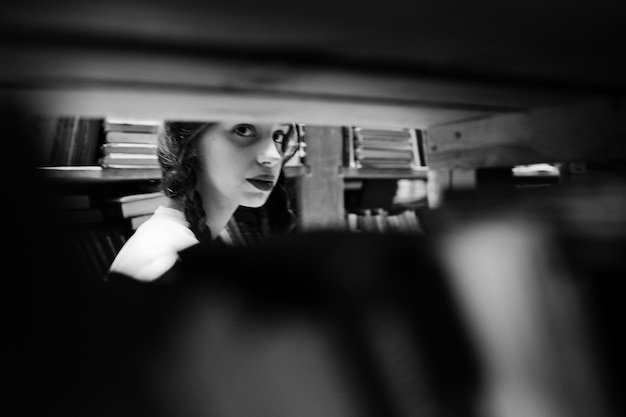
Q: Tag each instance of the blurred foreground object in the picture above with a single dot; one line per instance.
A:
(316, 324)
(537, 277)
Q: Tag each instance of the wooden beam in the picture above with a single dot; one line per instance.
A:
(60, 67)
(158, 104)
(320, 194)
(582, 131)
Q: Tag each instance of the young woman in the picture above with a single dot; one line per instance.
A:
(209, 170)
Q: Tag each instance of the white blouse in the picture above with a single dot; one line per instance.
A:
(153, 248)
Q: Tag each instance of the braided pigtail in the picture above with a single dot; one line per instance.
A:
(178, 160)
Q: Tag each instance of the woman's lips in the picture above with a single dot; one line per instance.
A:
(262, 185)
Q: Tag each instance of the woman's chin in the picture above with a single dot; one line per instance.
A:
(255, 202)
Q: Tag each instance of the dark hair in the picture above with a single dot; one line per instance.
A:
(178, 159)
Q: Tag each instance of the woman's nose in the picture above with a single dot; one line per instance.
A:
(268, 154)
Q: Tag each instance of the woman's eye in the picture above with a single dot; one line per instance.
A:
(244, 130)
(278, 137)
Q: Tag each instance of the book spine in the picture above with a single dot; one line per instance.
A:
(130, 137)
(352, 220)
(91, 140)
(351, 158)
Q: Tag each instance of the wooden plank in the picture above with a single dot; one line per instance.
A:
(157, 103)
(369, 173)
(320, 194)
(581, 131)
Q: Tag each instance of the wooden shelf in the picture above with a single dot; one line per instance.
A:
(364, 173)
(99, 174)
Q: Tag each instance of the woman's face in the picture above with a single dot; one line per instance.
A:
(239, 163)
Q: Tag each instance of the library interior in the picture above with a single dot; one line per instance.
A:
(431, 217)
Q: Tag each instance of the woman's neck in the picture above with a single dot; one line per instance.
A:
(217, 215)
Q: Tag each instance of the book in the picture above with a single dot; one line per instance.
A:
(380, 216)
(393, 223)
(129, 159)
(385, 164)
(131, 137)
(349, 160)
(129, 125)
(71, 140)
(114, 165)
(129, 148)
(60, 141)
(89, 137)
(384, 132)
(404, 145)
(401, 155)
(352, 221)
(133, 205)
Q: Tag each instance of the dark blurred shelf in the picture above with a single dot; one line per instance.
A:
(364, 173)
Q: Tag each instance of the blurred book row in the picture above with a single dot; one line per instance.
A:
(384, 221)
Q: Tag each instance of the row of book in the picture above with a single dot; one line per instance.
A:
(383, 221)
(65, 140)
(383, 148)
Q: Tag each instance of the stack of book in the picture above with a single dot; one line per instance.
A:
(133, 209)
(383, 148)
(129, 144)
(65, 140)
(382, 221)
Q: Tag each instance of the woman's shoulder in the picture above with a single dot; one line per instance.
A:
(153, 248)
